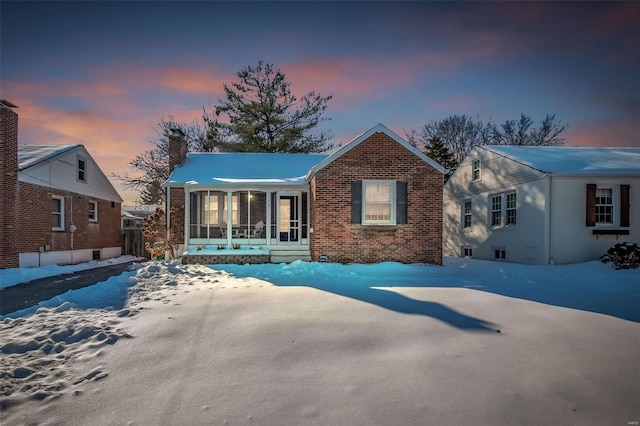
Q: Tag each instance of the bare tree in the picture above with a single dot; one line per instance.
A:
(152, 166)
(458, 133)
(520, 132)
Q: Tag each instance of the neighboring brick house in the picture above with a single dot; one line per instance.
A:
(58, 207)
(375, 199)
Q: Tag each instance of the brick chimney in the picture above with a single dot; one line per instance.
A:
(8, 184)
(177, 148)
(177, 154)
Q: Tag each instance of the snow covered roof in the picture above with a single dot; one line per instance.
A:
(573, 160)
(243, 169)
(378, 128)
(30, 155)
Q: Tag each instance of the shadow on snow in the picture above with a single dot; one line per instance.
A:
(591, 286)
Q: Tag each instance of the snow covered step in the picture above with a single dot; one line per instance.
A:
(289, 254)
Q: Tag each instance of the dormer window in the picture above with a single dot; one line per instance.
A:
(82, 169)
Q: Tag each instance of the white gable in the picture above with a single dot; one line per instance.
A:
(379, 128)
(573, 160)
(56, 166)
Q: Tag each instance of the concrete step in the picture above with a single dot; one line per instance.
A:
(289, 258)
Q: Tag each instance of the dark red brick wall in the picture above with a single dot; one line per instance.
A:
(8, 186)
(34, 221)
(377, 157)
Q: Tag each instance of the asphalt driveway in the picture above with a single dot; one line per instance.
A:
(29, 294)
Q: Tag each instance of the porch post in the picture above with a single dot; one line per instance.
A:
(268, 224)
(229, 216)
(187, 215)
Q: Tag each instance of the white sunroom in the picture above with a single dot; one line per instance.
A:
(245, 199)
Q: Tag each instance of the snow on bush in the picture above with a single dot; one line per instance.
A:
(623, 256)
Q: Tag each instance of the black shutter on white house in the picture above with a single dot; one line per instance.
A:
(591, 204)
(401, 202)
(624, 205)
(356, 201)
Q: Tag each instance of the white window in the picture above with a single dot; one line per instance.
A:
(475, 170)
(82, 169)
(496, 210)
(93, 211)
(466, 251)
(504, 209)
(466, 220)
(604, 206)
(57, 213)
(511, 209)
(378, 206)
(499, 254)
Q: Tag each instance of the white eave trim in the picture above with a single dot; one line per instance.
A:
(379, 128)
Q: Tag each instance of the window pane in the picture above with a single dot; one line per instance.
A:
(604, 205)
(56, 213)
(496, 210)
(378, 193)
(378, 212)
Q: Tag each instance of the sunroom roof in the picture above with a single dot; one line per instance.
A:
(243, 169)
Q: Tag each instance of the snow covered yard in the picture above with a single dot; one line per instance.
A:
(472, 342)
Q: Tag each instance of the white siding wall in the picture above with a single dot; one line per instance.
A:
(62, 173)
(571, 240)
(524, 242)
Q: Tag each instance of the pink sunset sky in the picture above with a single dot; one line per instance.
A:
(103, 74)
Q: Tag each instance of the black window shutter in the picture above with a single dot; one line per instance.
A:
(401, 202)
(624, 205)
(591, 204)
(356, 201)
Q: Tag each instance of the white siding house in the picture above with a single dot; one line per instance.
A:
(542, 205)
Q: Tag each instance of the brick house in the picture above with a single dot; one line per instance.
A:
(58, 207)
(375, 199)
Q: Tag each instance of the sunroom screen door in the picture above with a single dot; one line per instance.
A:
(289, 218)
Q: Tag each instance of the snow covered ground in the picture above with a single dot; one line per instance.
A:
(473, 342)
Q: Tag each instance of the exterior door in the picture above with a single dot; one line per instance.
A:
(289, 217)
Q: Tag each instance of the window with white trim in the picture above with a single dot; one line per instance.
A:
(475, 170)
(82, 169)
(378, 202)
(466, 214)
(93, 211)
(499, 253)
(511, 209)
(503, 209)
(466, 251)
(604, 205)
(57, 213)
(496, 210)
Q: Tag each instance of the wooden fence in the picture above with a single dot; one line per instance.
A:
(133, 243)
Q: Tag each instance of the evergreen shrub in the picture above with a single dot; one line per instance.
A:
(623, 256)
